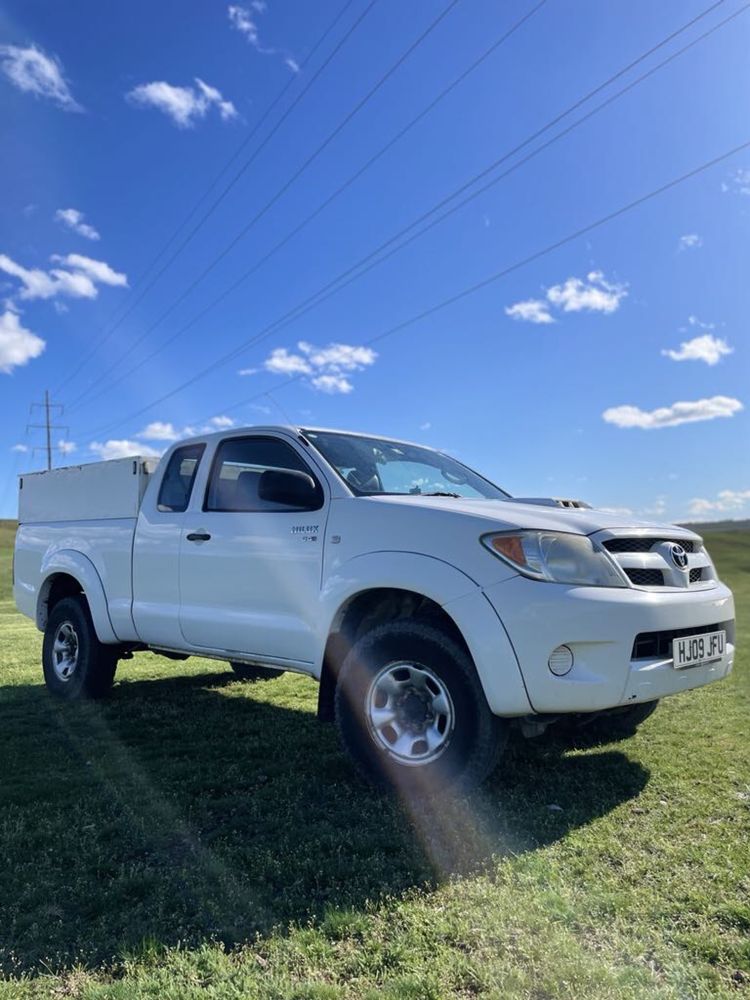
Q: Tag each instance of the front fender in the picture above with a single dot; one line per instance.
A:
(81, 568)
(460, 597)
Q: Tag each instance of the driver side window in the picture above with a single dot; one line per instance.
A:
(239, 463)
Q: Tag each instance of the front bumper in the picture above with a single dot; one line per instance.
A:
(600, 626)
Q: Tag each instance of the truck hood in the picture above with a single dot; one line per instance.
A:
(507, 515)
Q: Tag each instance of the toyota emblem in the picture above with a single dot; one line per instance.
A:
(679, 556)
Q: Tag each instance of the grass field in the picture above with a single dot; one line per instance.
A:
(194, 836)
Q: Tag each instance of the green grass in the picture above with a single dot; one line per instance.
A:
(194, 836)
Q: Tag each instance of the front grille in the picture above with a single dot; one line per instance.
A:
(646, 577)
(658, 645)
(649, 560)
(644, 544)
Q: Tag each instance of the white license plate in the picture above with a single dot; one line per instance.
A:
(692, 650)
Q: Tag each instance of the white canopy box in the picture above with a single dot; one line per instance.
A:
(90, 492)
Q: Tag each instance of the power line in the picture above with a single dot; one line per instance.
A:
(344, 186)
(295, 176)
(523, 262)
(243, 145)
(328, 290)
(47, 426)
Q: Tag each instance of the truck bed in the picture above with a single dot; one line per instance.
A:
(91, 510)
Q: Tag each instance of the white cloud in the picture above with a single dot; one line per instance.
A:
(697, 324)
(592, 294)
(725, 501)
(98, 270)
(221, 423)
(281, 362)
(674, 415)
(326, 367)
(338, 357)
(77, 280)
(595, 294)
(37, 284)
(161, 430)
(20, 448)
(66, 447)
(425, 426)
(242, 19)
(248, 371)
(184, 105)
(530, 310)
(704, 348)
(18, 345)
(122, 449)
(33, 72)
(158, 431)
(332, 384)
(739, 182)
(690, 241)
(73, 219)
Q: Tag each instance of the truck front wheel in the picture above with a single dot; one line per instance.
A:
(411, 711)
(75, 663)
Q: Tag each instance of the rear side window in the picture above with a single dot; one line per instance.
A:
(177, 484)
(238, 466)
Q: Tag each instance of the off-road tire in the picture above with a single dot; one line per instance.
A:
(93, 671)
(249, 672)
(477, 736)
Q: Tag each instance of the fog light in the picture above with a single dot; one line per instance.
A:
(560, 661)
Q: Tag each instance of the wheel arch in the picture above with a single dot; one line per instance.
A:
(67, 574)
(427, 589)
(364, 610)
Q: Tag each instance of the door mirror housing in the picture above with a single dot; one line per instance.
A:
(289, 488)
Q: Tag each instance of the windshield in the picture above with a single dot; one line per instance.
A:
(370, 466)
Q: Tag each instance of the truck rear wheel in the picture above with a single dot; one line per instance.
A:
(412, 713)
(249, 672)
(75, 663)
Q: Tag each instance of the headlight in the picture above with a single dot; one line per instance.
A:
(556, 558)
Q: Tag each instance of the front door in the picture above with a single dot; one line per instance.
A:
(250, 569)
(156, 549)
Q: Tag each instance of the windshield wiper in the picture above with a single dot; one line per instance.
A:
(440, 493)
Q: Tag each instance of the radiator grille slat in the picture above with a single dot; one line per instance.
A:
(646, 577)
(644, 544)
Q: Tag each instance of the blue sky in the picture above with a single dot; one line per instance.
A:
(614, 368)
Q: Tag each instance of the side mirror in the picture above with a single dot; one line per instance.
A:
(289, 489)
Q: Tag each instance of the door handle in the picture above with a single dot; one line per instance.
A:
(198, 536)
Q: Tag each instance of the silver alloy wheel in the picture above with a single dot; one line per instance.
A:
(410, 713)
(65, 652)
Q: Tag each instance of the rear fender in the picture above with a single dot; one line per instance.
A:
(81, 568)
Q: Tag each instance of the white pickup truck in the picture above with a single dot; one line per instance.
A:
(435, 610)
